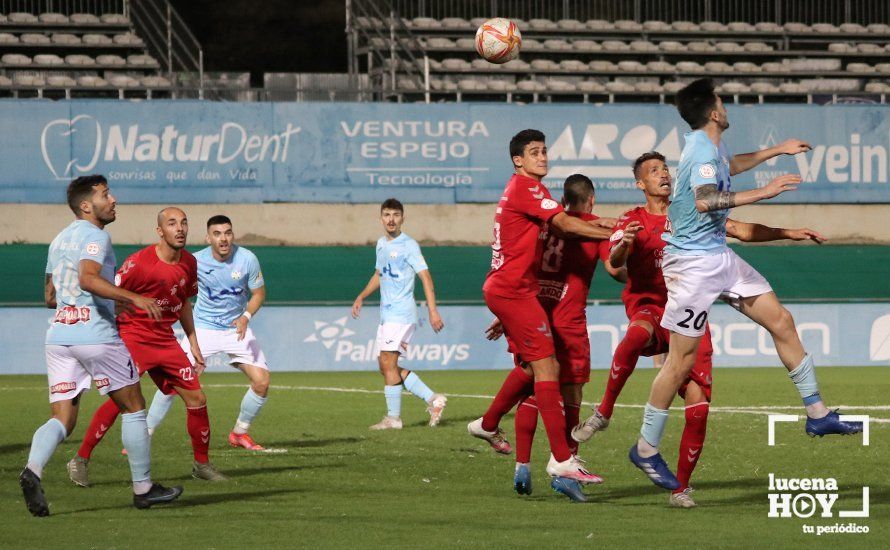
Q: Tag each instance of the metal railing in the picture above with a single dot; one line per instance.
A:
(751, 11)
(168, 38)
(65, 7)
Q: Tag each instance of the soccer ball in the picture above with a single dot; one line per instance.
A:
(498, 40)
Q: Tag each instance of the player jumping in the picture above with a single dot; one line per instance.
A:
(511, 293)
(698, 268)
(398, 261)
(168, 273)
(645, 296)
(82, 343)
(231, 290)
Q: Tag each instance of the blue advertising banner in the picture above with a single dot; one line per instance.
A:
(207, 152)
(328, 339)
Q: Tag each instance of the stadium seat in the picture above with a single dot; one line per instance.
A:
(438, 42)
(740, 26)
(558, 85)
(660, 66)
(455, 64)
(7, 38)
(476, 22)
(628, 25)
(879, 28)
(727, 47)
(89, 81)
(48, 59)
(586, 46)
(598, 25)
(794, 26)
(531, 44)
(122, 81)
(617, 86)
(111, 60)
(424, 23)
(643, 46)
(764, 87)
(648, 87)
(483, 65)
(689, 67)
(455, 23)
(712, 26)
(572, 65)
(542, 25)
(406, 84)
(733, 88)
(757, 47)
(84, 19)
(143, 60)
(883, 68)
(570, 24)
(3, 18)
(60, 81)
(53, 18)
(603, 66)
(544, 65)
(97, 40)
(717, 67)
(65, 39)
(31, 80)
(830, 85)
(557, 44)
(768, 26)
(114, 19)
(5, 81)
(699, 46)
(34, 38)
(773, 67)
(530, 86)
(500, 85)
(516, 65)
(684, 26)
(15, 59)
(631, 66)
(466, 43)
(79, 60)
(853, 28)
(792, 88)
(591, 87)
(860, 68)
(128, 39)
(656, 26)
(671, 46)
(824, 28)
(869, 47)
(673, 87)
(841, 47)
(877, 87)
(615, 46)
(745, 67)
(19, 17)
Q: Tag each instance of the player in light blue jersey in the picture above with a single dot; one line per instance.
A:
(231, 291)
(398, 261)
(83, 345)
(699, 268)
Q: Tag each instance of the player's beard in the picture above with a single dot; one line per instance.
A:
(107, 216)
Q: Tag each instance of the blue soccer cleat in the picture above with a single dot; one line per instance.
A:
(522, 480)
(655, 469)
(831, 424)
(568, 487)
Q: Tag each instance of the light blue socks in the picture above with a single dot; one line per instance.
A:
(804, 378)
(44, 443)
(250, 407)
(160, 406)
(137, 442)
(415, 385)
(654, 421)
(393, 396)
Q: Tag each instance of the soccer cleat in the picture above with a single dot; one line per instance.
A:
(35, 500)
(244, 440)
(574, 468)
(522, 480)
(388, 423)
(655, 469)
(206, 471)
(569, 488)
(584, 431)
(682, 499)
(158, 494)
(78, 471)
(496, 439)
(831, 424)
(437, 405)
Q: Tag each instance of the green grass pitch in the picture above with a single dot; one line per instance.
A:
(342, 486)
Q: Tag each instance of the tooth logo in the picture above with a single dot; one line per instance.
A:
(60, 136)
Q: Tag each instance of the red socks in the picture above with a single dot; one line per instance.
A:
(573, 416)
(626, 356)
(198, 425)
(515, 387)
(551, 409)
(526, 422)
(692, 442)
(103, 419)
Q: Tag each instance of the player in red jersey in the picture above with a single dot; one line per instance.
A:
(168, 273)
(510, 292)
(645, 296)
(564, 274)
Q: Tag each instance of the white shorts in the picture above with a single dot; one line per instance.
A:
(695, 282)
(393, 337)
(246, 351)
(70, 369)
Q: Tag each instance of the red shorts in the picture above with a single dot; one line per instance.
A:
(701, 373)
(166, 363)
(526, 326)
(572, 343)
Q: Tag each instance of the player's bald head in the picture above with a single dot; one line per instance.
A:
(167, 213)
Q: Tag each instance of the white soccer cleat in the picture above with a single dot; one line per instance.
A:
(388, 423)
(682, 499)
(573, 468)
(437, 405)
(496, 439)
(78, 471)
(584, 431)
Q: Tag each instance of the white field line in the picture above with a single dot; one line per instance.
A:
(756, 409)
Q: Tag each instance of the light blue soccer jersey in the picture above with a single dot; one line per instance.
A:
(398, 260)
(224, 287)
(80, 318)
(692, 232)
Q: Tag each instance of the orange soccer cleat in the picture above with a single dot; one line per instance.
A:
(244, 440)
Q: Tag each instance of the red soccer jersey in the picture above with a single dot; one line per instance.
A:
(524, 208)
(645, 282)
(169, 284)
(567, 267)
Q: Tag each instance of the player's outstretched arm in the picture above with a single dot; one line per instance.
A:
(623, 239)
(91, 280)
(49, 292)
(369, 289)
(758, 233)
(187, 320)
(708, 198)
(744, 162)
(569, 226)
(429, 291)
(257, 297)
